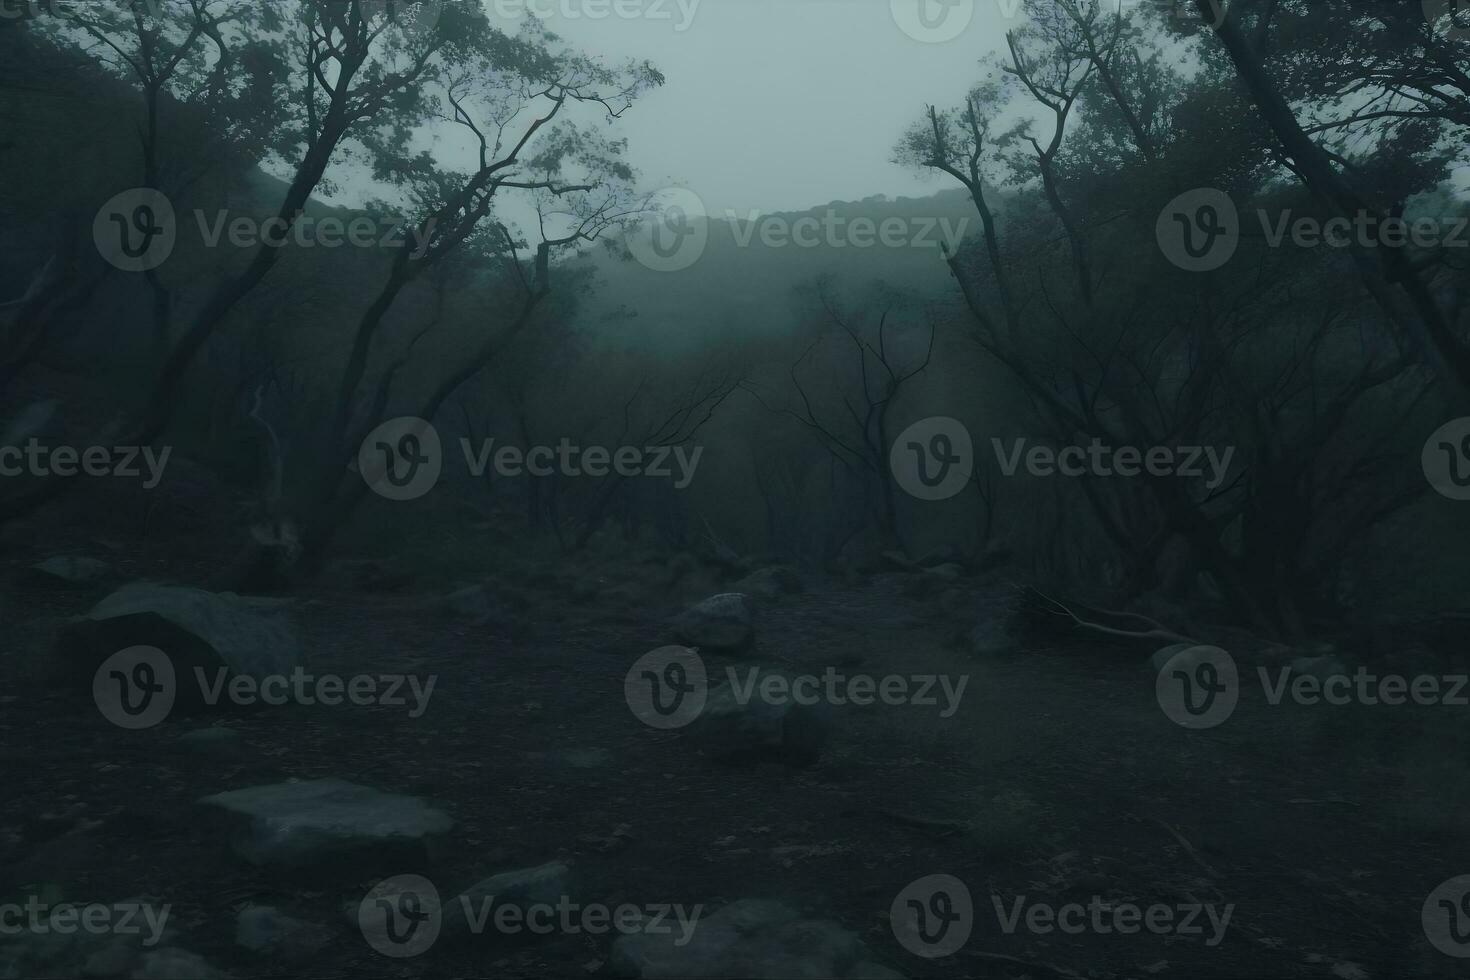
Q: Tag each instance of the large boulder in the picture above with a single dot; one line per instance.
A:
(193, 628)
(81, 952)
(994, 636)
(771, 582)
(746, 725)
(68, 572)
(473, 911)
(328, 824)
(473, 604)
(722, 623)
(266, 930)
(755, 938)
(946, 554)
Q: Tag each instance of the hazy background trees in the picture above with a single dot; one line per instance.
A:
(1057, 319)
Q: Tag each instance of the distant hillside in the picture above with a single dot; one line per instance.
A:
(746, 276)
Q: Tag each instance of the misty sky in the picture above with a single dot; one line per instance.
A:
(783, 104)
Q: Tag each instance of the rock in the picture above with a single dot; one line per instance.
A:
(946, 554)
(768, 583)
(721, 623)
(932, 581)
(546, 884)
(216, 740)
(69, 572)
(900, 561)
(112, 960)
(88, 954)
(267, 930)
(194, 628)
(172, 963)
(473, 604)
(994, 635)
(762, 940)
(329, 824)
(779, 730)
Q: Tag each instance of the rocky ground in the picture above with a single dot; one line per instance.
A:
(809, 842)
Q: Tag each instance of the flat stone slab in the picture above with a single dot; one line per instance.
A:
(723, 623)
(194, 629)
(473, 911)
(320, 822)
(759, 730)
(69, 571)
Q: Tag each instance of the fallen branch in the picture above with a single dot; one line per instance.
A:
(1156, 630)
(1026, 963)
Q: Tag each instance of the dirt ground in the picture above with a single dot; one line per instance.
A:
(1059, 779)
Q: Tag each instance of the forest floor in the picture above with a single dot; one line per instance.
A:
(1059, 780)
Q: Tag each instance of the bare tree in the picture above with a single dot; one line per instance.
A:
(851, 422)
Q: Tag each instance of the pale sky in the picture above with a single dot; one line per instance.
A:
(782, 104)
